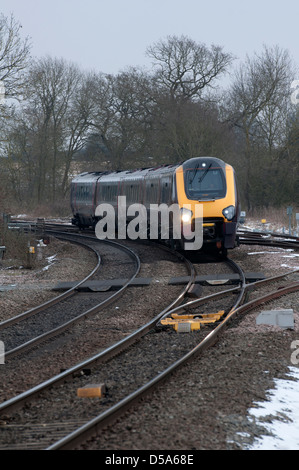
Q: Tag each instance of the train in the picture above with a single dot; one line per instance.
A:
(201, 188)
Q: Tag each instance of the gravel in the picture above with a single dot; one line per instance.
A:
(205, 404)
(22, 289)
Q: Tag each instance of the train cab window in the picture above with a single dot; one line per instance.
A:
(205, 183)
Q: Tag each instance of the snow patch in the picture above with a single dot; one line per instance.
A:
(279, 415)
(51, 260)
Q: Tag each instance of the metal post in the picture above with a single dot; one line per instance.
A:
(289, 213)
(6, 219)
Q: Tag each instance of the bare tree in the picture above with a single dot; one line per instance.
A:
(14, 58)
(122, 114)
(56, 108)
(77, 126)
(185, 67)
(14, 55)
(257, 106)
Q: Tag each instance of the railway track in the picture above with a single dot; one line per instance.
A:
(94, 425)
(77, 338)
(103, 357)
(115, 349)
(37, 325)
(268, 239)
(98, 424)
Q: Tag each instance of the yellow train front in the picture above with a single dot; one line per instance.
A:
(210, 182)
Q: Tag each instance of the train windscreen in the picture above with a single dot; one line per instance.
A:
(204, 182)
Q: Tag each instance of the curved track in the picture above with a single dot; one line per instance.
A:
(268, 239)
(114, 349)
(97, 423)
(15, 330)
(16, 402)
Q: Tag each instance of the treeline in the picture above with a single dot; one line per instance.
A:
(58, 120)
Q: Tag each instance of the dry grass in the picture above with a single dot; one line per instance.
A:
(17, 245)
(275, 216)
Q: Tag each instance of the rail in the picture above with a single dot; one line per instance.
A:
(97, 424)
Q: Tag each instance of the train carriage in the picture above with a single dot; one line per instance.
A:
(83, 199)
(207, 181)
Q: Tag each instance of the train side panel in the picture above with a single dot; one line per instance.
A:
(83, 199)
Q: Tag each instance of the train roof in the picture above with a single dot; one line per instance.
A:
(87, 177)
(94, 176)
(206, 160)
(111, 175)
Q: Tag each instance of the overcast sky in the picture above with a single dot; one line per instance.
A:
(109, 35)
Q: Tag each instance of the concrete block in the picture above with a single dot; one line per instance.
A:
(92, 390)
(283, 318)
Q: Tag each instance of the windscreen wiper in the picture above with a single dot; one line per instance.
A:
(204, 173)
(195, 171)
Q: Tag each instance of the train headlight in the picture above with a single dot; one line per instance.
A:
(186, 215)
(229, 212)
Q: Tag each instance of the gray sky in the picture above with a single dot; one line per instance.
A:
(109, 35)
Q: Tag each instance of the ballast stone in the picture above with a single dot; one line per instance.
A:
(283, 318)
